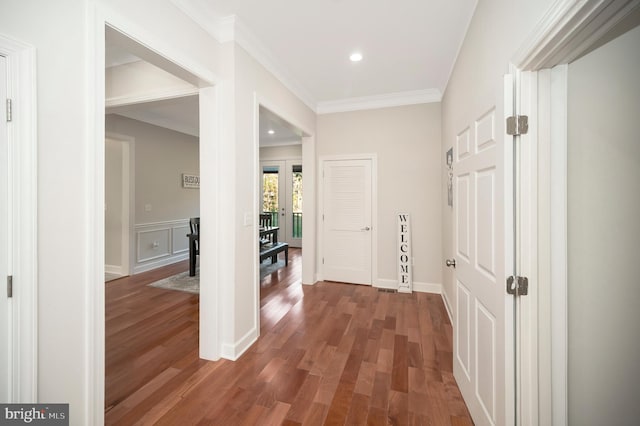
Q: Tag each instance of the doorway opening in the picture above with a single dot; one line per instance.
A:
(151, 142)
(280, 195)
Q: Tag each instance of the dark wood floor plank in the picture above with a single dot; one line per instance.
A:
(330, 353)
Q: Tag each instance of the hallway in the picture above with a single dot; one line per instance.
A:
(330, 353)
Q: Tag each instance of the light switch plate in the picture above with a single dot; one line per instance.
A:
(247, 218)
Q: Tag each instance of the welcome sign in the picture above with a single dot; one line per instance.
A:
(405, 274)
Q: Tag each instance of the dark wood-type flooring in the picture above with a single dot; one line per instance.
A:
(330, 353)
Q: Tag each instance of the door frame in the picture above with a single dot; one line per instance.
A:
(128, 201)
(374, 211)
(23, 192)
(570, 30)
(214, 93)
(309, 275)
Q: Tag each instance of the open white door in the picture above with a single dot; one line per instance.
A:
(347, 195)
(5, 313)
(480, 364)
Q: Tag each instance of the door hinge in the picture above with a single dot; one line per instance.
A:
(9, 110)
(517, 125)
(323, 260)
(9, 285)
(518, 286)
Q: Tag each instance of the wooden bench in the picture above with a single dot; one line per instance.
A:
(272, 250)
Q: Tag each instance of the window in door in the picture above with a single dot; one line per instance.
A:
(282, 198)
(271, 191)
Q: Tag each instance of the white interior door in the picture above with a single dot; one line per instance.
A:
(5, 314)
(347, 195)
(479, 332)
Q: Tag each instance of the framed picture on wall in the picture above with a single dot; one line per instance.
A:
(190, 181)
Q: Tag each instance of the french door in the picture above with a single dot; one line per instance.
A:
(281, 189)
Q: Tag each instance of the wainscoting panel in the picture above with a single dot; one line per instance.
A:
(180, 242)
(161, 243)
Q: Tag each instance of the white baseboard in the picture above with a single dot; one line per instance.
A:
(114, 270)
(447, 305)
(235, 350)
(417, 286)
(147, 266)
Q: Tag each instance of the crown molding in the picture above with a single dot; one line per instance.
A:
(380, 101)
(255, 48)
(230, 28)
(220, 29)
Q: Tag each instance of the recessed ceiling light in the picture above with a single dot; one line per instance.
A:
(356, 57)
(271, 132)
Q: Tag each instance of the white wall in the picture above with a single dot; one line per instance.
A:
(162, 207)
(161, 156)
(65, 107)
(498, 28)
(407, 141)
(251, 80)
(604, 232)
(284, 152)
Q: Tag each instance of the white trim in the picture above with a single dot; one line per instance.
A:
(447, 306)
(252, 44)
(157, 95)
(257, 190)
(100, 17)
(420, 287)
(235, 350)
(128, 245)
(568, 30)
(559, 281)
(374, 210)
(115, 270)
(380, 101)
(222, 29)
(158, 262)
(230, 28)
(164, 258)
(282, 143)
(22, 138)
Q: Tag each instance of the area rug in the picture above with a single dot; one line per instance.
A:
(180, 282)
(183, 282)
(267, 268)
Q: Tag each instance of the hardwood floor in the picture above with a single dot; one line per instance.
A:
(328, 354)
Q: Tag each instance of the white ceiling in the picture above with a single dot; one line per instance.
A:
(409, 49)
(409, 46)
(179, 114)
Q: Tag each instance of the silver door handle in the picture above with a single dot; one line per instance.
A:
(366, 228)
(450, 262)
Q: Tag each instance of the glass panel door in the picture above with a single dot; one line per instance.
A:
(272, 189)
(281, 189)
(294, 196)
